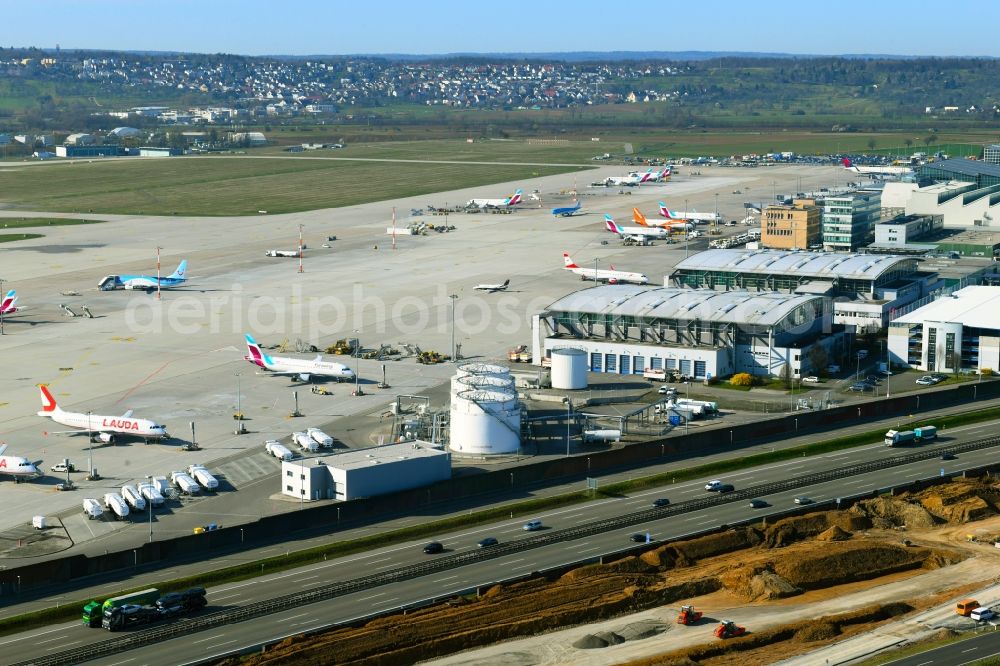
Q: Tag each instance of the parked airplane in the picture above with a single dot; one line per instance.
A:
(282, 253)
(301, 369)
(601, 275)
(147, 282)
(492, 287)
(103, 428)
(641, 220)
(7, 305)
(876, 170)
(689, 216)
(16, 466)
(651, 176)
(631, 180)
(639, 233)
(567, 211)
(512, 200)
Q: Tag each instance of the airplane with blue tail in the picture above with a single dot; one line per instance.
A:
(146, 282)
(567, 211)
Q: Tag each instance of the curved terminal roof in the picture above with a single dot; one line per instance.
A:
(799, 264)
(737, 307)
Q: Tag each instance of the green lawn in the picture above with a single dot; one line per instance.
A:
(29, 222)
(217, 185)
(10, 238)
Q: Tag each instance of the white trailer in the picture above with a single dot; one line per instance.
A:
(116, 504)
(305, 442)
(203, 477)
(320, 437)
(162, 485)
(134, 497)
(151, 494)
(185, 483)
(602, 435)
(278, 450)
(92, 509)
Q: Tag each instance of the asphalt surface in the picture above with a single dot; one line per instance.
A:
(970, 651)
(53, 639)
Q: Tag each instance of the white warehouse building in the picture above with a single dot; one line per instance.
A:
(699, 333)
(956, 333)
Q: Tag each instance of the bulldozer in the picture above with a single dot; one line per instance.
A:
(729, 629)
(431, 357)
(343, 347)
(688, 615)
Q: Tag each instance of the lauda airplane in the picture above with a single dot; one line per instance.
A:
(103, 428)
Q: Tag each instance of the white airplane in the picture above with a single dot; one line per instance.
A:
(631, 180)
(8, 305)
(282, 253)
(600, 275)
(638, 233)
(103, 428)
(641, 220)
(651, 176)
(301, 369)
(877, 170)
(686, 216)
(147, 282)
(492, 287)
(16, 466)
(512, 200)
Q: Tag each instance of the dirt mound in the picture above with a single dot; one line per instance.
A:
(601, 639)
(637, 631)
(835, 533)
(689, 552)
(958, 509)
(822, 630)
(889, 512)
(758, 583)
(847, 561)
(796, 528)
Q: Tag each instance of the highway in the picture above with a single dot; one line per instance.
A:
(54, 639)
(969, 651)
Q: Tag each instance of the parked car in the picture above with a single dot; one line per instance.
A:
(63, 467)
(872, 379)
(811, 379)
(858, 386)
(926, 380)
(433, 548)
(661, 501)
(487, 542)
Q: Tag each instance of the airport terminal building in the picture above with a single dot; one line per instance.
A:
(699, 333)
(864, 289)
(955, 333)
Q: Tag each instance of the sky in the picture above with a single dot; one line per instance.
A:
(334, 27)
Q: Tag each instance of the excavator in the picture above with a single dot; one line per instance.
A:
(729, 629)
(688, 615)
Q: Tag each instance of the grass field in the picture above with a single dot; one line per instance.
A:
(235, 186)
(30, 222)
(10, 238)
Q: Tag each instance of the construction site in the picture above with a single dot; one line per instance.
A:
(753, 594)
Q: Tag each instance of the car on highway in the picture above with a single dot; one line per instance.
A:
(758, 504)
(811, 379)
(802, 499)
(532, 525)
(433, 548)
(661, 501)
(713, 485)
(487, 542)
(640, 537)
(726, 488)
(947, 455)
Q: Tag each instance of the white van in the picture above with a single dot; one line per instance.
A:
(982, 614)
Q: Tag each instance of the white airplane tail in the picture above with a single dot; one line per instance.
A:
(49, 405)
(569, 263)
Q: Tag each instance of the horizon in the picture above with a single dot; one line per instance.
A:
(306, 28)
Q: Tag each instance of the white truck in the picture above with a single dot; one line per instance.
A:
(305, 442)
(163, 486)
(151, 494)
(185, 483)
(706, 406)
(116, 504)
(602, 435)
(92, 509)
(278, 450)
(134, 498)
(320, 437)
(203, 477)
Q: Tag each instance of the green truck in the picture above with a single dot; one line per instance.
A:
(93, 612)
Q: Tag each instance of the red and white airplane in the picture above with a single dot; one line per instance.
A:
(17, 466)
(299, 368)
(600, 275)
(512, 200)
(876, 170)
(7, 305)
(103, 428)
(687, 216)
(669, 225)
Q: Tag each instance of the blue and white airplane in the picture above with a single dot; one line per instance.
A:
(567, 211)
(147, 282)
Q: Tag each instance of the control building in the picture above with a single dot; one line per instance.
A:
(955, 333)
(699, 333)
(790, 227)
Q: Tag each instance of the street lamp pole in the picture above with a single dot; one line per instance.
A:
(1, 306)
(90, 446)
(357, 361)
(149, 500)
(158, 248)
(453, 297)
(569, 407)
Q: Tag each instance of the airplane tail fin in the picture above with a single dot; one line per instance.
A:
(848, 164)
(506, 282)
(256, 355)
(8, 301)
(609, 222)
(515, 198)
(568, 261)
(664, 211)
(49, 405)
(181, 272)
(639, 218)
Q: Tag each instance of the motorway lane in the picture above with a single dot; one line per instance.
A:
(969, 651)
(22, 647)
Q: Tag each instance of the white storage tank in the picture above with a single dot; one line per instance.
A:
(485, 422)
(485, 383)
(569, 368)
(475, 370)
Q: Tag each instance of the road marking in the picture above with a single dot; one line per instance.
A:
(441, 580)
(125, 661)
(210, 638)
(523, 566)
(520, 559)
(209, 647)
(49, 640)
(969, 650)
(228, 596)
(293, 617)
(706, 522)
(924, 663)
(380, 594)
(384, 559)
(304, 579)
(41, 633)
(584, 550)
(386, 601)
(62, 645)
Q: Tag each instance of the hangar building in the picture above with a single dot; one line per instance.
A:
(699, 333)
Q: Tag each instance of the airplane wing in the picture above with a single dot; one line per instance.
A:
(128, 414)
